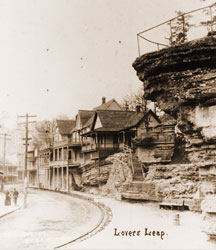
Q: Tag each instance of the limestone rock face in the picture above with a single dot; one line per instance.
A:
(182, 80)
(181, 75)
(176, 181)
(119, 174)
(209, 216)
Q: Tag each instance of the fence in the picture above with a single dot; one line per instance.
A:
(185, 25)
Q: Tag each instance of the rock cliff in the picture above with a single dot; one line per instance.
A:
(182, 80)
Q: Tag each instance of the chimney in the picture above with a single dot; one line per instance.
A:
(138, 108)
(103, 100)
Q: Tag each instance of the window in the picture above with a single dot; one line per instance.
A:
(69, 155)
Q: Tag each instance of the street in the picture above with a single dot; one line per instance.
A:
(50, 219)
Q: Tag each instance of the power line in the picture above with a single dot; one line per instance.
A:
(27, 116)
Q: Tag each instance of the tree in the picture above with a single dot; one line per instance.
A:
(45, 132)
(179, 29)
(132, 100)
(211, 13)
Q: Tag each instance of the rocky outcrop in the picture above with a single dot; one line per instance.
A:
(94, 174)
(177, 181)
(120, 173)
(180, 75)
(181, 80)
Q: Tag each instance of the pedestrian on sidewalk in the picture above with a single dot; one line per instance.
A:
(15, 196)
(7, 199)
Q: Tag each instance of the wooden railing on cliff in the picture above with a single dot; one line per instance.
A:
(167, 28)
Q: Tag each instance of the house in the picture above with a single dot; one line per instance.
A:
(43, 166)
(32, 167)
(62, 156)
(10, 173)
(84, 120)
(107, 131)
(110, 131)
(155, 140)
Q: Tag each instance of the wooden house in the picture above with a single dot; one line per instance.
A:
(155, 140)
(107, 131)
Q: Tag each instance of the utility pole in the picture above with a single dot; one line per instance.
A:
(27, 116)
(4, 153)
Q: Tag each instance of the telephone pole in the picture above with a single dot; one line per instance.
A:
(4, 153)
(27, 116)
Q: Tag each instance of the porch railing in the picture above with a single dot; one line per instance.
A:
(95, 146)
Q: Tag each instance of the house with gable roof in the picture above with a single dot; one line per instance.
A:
(107, 131)
(155, 140)
(84, 120)
(110, 130)
(63, 157)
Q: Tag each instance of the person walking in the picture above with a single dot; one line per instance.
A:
(15, 196)
(7, 199)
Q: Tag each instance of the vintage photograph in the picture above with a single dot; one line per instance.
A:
(108, 124)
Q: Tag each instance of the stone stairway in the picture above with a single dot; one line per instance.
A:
(135, 164)
(138, 190)
(137, 168)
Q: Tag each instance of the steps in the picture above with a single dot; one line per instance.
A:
(138, 172)
(135, 164)
(138, 190)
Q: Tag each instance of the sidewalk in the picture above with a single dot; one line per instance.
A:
(145, 217)
(5, 210)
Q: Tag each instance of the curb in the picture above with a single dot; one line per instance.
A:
(3, 215)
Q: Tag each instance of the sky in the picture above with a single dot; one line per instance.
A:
(59, 56)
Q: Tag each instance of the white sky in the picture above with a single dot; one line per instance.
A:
(58, 56)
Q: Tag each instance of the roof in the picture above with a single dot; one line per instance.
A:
(116, 120)
(85, 115)
(65, 126)
(90, 121)
(167, 120)
(134, 119)
(107, 105)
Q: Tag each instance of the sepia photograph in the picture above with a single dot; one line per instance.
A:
(107, 124)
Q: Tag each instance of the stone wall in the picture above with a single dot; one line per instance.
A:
(94, 174)
(120, 173)
(207, 177)
(174, 181)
